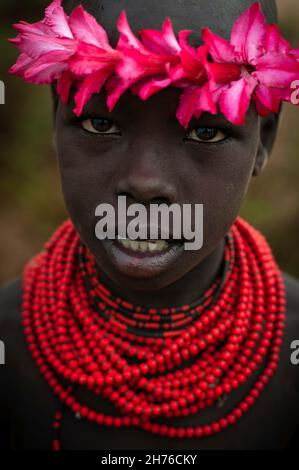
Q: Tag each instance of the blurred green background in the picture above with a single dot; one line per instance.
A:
(31, 203)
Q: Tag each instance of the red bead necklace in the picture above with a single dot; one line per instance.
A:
(157, 363)
(152, 323)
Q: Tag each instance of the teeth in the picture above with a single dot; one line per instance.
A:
(144, 246)
(125, 242)
(152, 246)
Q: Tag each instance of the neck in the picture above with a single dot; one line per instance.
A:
(184, 291)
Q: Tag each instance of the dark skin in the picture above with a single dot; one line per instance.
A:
(176, 165)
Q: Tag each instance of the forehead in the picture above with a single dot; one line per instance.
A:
(184, 14)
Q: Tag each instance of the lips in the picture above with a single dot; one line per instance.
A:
(143, 258)
(144, 246)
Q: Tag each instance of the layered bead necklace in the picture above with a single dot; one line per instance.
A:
(154, 363)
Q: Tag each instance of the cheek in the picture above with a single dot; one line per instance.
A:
(87, 178)
(225, 191)
(220, 183)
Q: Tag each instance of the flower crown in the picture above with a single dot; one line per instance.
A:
(256, 63)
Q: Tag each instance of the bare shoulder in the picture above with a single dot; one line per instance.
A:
(11, 328)
(11, 319)
(12, 343)
(10, 304)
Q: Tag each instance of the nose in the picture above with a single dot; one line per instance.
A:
(145, 181)
(146, 189)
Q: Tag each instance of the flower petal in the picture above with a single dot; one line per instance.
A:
(295, 53)
(38, 28)
(163, 42)
(35, 46)
(193, 101)
(89, 58)
(261, 110)
(64, 86)
(270, 98)
(127, 38)
(115, 88)
(235, 100)
(177, 73)
(186, 107)
(22, 64)
(249, 32)
(90, 85)
(85, 28)
(148, 86)
(274, 42)
(133, 67)
(188, 54)
(224, 73)
(41, 71)
(220, 49)
(44, 74)
(276, 70)
(57, 20)
(192, 61)
(205, 103)
(47, 68)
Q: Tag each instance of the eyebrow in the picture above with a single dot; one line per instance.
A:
(210, 120)
(97, 107)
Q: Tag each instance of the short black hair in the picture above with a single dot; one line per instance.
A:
(269, 7)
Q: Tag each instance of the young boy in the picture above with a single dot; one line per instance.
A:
(140, 150)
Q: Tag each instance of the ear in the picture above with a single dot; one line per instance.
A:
(268, 130)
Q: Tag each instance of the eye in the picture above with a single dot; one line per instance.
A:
(99, 126)
(206, 135)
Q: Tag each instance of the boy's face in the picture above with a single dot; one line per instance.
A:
(140, 150)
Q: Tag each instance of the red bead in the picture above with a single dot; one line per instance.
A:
(70, 338)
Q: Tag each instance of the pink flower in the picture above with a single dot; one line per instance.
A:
(194, 100)
(72, 49)
(158, 61)
(256, 63)
(295, 53)
(94, 60)
(266, 63)
(45, 46)
(192, 74)
(144, 65)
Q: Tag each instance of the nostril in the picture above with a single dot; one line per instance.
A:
(159, 200)
(133, 199)
(155, 200)
(127, 195)
(129, 198)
